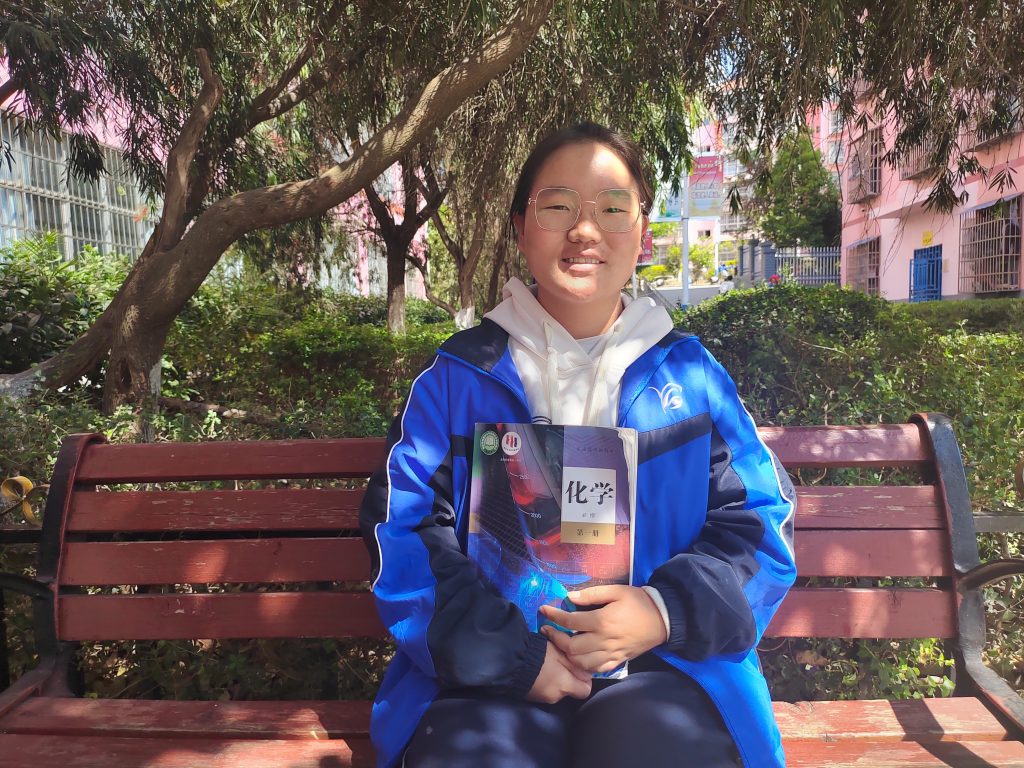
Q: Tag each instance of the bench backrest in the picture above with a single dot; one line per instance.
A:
(301, 567)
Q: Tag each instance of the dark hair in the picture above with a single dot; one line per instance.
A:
(582, 133)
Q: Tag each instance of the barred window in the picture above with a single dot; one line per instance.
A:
(835, 121)
(865, 179)
(990, 248)
(36, 196)
(862, 262)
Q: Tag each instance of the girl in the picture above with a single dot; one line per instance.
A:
(470, 685)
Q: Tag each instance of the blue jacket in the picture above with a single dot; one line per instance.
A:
(713, 533)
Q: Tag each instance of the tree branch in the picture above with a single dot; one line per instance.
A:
(179, 161)
(437, 301)
(453, 248)
(316, 82)
(316, 37)
(381, 212)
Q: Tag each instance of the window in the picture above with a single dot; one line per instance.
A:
(703, 234)
(862, 262)
(835, 122)
(733, 222)
(865, 179)
(990, 248)
(1004, 118)
(918, 162)
(835, 152)
(36, 196)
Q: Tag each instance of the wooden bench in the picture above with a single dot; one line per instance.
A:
(279, 537)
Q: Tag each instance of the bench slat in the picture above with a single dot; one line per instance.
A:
(877, 445)
(864, 613)
(926, 720)
(302, 509)
(807, 612)
(27, 751)
(963, 718)
(975, 754)
(187, 719)
(873, 553)
(242, 460)
(281, 560)
(218, 616)
(797, 447)
(306, 509)
(878, 506)
(88, 752)
(203, 562)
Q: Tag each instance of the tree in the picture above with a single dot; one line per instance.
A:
(197, 225)
(798, 200)
(387, 76)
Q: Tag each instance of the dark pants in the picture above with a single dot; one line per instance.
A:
(657, 717)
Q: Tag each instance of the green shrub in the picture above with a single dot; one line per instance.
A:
(977, 315)
(46, 302)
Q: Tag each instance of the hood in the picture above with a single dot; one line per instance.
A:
(564, 384)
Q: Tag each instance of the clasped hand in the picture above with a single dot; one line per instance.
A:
(626, 624)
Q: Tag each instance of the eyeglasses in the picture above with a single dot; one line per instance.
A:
(558, 209)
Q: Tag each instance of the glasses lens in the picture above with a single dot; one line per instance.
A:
(618, 210)
(557, 208)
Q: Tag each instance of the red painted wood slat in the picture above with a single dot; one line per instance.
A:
(855, 612)
(867, 446)
(962, 718)
(807, 612)
(925, 720)
(243, 460)
(218, 616)
(869, 507)
(279, 560)
(901, 553)
(818, 506)
(301, 509)
(202, 562)
(87, 752)
(975, 754)
(190, 719)
(877, 445)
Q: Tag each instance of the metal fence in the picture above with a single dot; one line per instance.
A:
(758, 261)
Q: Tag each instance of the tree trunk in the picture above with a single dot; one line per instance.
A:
(493, 286)
(396, 287)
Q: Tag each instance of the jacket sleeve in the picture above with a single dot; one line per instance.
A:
(722, 592)
(452, 625)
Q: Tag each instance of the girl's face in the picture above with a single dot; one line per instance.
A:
(580, 272)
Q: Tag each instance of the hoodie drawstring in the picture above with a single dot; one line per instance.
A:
(554, 398)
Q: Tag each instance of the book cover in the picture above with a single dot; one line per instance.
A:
(551, 510)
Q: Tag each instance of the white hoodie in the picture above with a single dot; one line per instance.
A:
(564, 384)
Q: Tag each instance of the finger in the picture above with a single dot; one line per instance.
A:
(599, 595)
(596, 661)
(577, 621)
(560, 640)
(584, 643)
(579, 689)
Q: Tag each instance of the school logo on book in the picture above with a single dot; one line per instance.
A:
(671, 396)
(511, 442)
(489, 442)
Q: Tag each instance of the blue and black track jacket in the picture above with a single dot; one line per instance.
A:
(713, 533)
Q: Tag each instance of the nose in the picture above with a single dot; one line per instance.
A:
(585, 230)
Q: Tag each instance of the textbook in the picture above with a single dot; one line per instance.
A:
(551, 510)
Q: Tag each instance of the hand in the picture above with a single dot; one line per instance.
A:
(559, 678)
(627, 625)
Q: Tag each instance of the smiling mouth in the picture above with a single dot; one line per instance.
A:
(581, 260)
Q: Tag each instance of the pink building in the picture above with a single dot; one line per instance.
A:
(895, 248)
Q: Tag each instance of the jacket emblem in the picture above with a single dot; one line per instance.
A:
(671, 396)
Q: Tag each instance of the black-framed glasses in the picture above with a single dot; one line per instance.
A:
(557, 209)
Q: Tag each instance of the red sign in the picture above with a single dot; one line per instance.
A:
(647, 248)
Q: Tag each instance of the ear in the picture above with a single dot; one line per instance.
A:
(519, 222)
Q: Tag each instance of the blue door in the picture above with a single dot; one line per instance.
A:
(926, 274)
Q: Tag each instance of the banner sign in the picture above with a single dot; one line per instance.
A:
(647, 247)
(707, 187)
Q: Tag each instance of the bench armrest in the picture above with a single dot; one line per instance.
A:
(24, 585)
(990, 572)
(994, 688)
